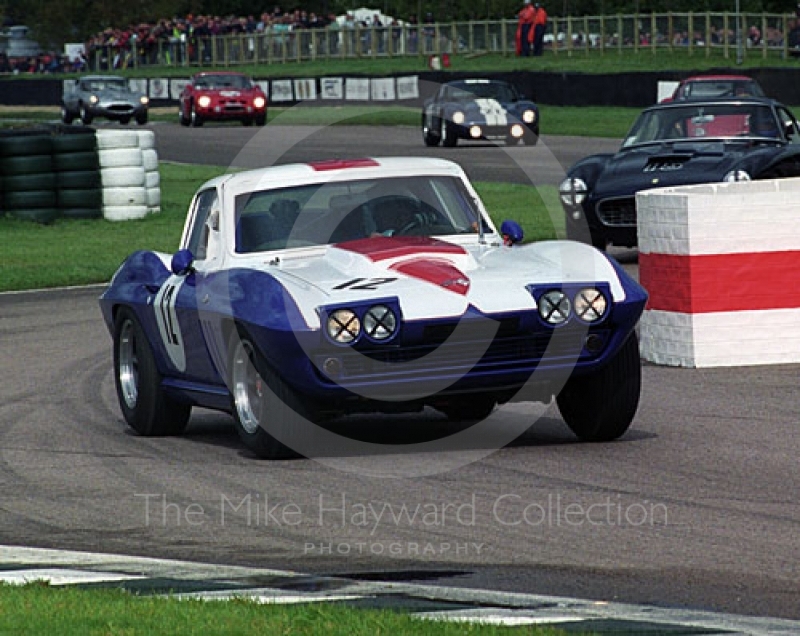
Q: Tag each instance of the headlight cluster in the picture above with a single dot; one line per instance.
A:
(204, 101)
(144, 100)
(588, 304)
(344, 326)
(573, 191)
(259, 102)
(736, 175)
(458, 117)
(93, 99)
(529, 116)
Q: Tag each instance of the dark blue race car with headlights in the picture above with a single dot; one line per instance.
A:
(304, 292)
(672, 144)
(479, 109)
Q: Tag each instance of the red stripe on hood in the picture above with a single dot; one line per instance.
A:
(381, 248)
(438, 272)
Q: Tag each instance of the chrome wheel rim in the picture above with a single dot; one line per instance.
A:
(248, 388)
(128, 365)
(443, 131)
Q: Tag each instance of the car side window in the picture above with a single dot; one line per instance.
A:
(204, 203)
(790, 125)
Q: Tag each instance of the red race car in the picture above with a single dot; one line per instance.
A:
(222, 96)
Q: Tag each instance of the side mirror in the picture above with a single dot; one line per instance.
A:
(511, 232)
(182, 262)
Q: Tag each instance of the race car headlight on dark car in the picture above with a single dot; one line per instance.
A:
(380, 322)
(203, 101)
(144, 100)
(554, 307)
(93, 99)
(343, 326)
(259, 102)
(573, 191)
(458, 117)
(736, 175)
(590, 304)
(529, 116)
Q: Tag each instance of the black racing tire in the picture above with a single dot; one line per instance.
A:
(184, 121)
(531, 137)
(76, 161)
(468, 408)
(430, 138)
(144, 405)
(260, 397)
(78, 180)
(194, 119)
(141, 119)
(89, 198)
(84, 114)
(35, 164)
(28, 182)
(83, 142)
(30, 199)
(45, 216)
(66, 115)
(25, 145)
(599, 407)
(447, 134)
(261, 120)
(82, 213)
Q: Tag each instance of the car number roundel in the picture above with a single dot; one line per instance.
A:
(167, 319)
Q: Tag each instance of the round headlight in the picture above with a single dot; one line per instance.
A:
(144, 100)
(94, 99)
(590, 304)
(529, 116)
(554, 307)
(259, 102)
(736, 175)
(517, 131)
(203, 101)
(379, 322)
(458, 117)
(343, 326)
(573, 191)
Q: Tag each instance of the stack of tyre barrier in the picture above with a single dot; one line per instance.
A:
(77, 174)
(152, 178)
(122, 174)
(26, 170)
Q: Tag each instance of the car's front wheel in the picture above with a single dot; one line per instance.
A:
(66, 114)
(600, 406)
(447, 134)
(261, 401)
(194, 118)
(145, 406)
(261, 120)
(141, 119)
(85, 115)
(430, 137)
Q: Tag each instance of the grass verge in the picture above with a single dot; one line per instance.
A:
(37, 609)
(77, 252)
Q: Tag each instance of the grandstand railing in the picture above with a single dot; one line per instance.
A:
(693, 33)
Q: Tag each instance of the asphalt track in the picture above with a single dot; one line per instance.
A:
(697, 506)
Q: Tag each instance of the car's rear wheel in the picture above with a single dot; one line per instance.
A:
(261, 401)
(66, 114)
(85, 115)
(145, 406)
(600, 407)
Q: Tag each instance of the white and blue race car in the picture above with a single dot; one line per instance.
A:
(307, 291)
(479, 109)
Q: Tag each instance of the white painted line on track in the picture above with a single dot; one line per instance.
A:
(491, 616)
(61, 576)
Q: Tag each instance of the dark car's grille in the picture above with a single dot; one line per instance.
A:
(617, 212)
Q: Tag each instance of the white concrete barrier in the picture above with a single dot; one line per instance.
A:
(720, 262)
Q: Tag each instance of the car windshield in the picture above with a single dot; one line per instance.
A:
(703, 121)
(222, 81)
(707, 89)
(467, 91)
(105, 84)
(335, 212)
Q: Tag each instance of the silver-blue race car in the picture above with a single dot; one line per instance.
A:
(106, 96)
(303, 292)
(479, 109)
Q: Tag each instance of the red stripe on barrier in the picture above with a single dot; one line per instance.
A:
(721, 282)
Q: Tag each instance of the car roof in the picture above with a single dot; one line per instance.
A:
(274, 177)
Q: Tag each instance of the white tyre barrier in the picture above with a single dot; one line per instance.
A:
(111, 139)
(152, 180)
(115, 197)
(128, 176)
(124, 212)
(153, 197)
(147, 139)
(120, 157)
(150, 159)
